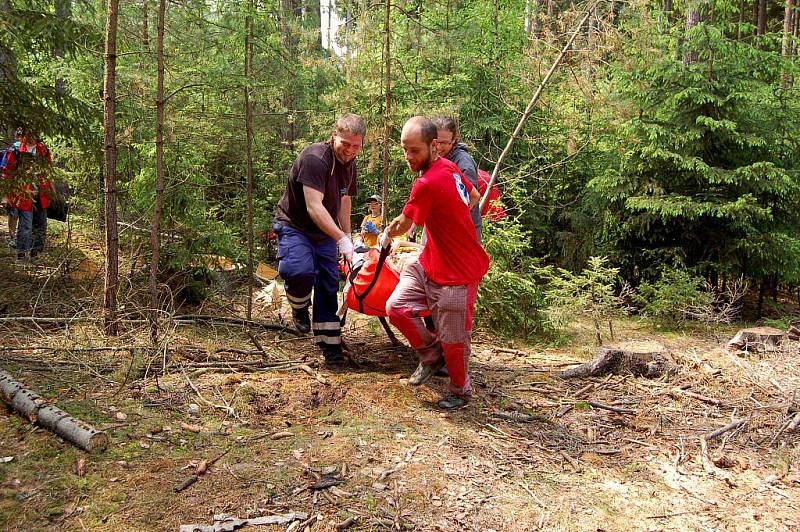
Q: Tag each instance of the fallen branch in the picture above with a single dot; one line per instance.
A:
(225, 523)
(194, 388)
(231, 320)
(735, 424)
(183, 318)
(521, 418)
(574, 463)
(202, 468)
(616, 409)
(31, 406)
(699, 397)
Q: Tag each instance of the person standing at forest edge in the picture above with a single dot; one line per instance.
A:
(449, 146)
(445, 280)
(313, 221)
(29, 164)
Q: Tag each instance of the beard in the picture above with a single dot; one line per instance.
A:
(425, 163)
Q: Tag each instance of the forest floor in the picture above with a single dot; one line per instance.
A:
(529, 452)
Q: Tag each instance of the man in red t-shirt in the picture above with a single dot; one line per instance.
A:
(445, 281)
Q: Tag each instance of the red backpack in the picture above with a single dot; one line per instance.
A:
(494, 210)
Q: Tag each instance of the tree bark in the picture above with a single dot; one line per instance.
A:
(248, 114)
(155, 223)
(8, 71)
(761, 27)
(788, 19)
(63, 12)
(692, 19)
(387, 110)
(742, 13)
(145, 26)
(110, 142)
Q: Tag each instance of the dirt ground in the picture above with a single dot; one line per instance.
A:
(530, 452)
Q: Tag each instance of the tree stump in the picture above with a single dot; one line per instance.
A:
(623, 362)
(794, 331)
(758, 340)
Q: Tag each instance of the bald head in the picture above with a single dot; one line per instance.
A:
(418, 140)
(420, 126)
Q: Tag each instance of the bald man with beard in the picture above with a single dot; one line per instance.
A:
(444, 282)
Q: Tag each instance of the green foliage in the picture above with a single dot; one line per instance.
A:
(591, 294)
(670, 300)
(511, 298)
(704, 169)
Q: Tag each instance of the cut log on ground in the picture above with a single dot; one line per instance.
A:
(34, 408)
(758, 340)
(225, 523)
(622, 362)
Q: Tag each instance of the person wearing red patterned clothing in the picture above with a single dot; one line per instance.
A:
(444, 282)
(28, 166)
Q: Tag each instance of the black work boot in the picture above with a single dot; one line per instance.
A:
(424, 373)
(452, 402)
(333, 355)
(301, 320)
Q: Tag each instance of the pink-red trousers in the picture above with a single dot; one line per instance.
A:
(451, 308)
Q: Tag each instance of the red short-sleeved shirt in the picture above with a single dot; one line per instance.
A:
(439, 201)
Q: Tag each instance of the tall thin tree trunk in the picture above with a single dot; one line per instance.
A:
(387, 111)
(795, 31)
(63, 12)
(692, 19)
(742, 13)
(8, 70)
(110, 141)
(786, 44)
(248, 117)
(528, 22)
(788, 19)
(761, 27)
(330, 31)
(290, 12)
(145, 26)
(155, 224)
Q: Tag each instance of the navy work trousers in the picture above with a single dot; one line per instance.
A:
(306, 265)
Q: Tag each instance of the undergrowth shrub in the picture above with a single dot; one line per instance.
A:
(675, 298)
(591, 294)
(511, 299)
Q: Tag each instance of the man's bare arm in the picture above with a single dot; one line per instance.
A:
(399, 225)
(344, 214)
(319, 215)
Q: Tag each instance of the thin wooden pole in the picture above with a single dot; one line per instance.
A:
(532, 103)
(248, 113)
(155, 224)
(387, 112)
(110, 178)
